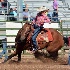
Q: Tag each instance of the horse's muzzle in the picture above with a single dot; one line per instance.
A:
(22, 38)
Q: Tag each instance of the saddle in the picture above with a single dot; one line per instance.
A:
(42, 36)
(45, 36)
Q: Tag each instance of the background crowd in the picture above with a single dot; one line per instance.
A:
(26, 12)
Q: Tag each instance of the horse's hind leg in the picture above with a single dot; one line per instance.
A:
(53, 54)
(10, 56)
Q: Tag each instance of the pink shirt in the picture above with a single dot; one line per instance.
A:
(41, 20)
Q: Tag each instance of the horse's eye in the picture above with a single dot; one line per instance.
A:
(22, 29)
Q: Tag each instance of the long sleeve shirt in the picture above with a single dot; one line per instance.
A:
(41, 20)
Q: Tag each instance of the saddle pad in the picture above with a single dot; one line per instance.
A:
(49, 35)
(42, 36)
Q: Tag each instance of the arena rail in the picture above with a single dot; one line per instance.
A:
(61, 29)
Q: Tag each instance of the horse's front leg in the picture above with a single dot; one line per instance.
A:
(19, 56)
(10, 56)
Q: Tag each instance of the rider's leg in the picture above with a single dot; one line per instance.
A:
(36, 32)
(42, 28)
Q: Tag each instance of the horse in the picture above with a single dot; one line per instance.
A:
(23, 41)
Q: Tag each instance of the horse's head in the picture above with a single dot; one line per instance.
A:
(25, 31)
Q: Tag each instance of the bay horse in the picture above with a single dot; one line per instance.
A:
(23, 41)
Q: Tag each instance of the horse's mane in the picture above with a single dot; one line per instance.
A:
(27, 23)
(20, 30)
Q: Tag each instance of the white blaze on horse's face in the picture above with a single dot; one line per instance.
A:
(24, 33)
(27, 29)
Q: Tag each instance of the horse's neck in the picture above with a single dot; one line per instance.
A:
(30, 35)
(32, 28)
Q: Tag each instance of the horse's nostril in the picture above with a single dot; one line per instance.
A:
(22, 38)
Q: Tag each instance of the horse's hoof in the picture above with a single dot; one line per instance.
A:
(18, 61)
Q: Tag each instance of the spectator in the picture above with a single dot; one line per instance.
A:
(0, 6)
(0, 3)
(31, 17)
(15, 9)
(26, 5)
(49, 14)
(55, 12)
(4, 51)
(13, 12)
(23, 4)
(25, 14)
(4, 3)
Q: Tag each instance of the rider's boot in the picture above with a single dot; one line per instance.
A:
(35, 49)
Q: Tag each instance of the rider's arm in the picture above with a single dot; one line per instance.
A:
(46, 19)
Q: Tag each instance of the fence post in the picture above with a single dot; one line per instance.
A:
(69, 58)
(20, 10)
(61, 31)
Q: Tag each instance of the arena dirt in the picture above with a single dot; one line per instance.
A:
(32, 63)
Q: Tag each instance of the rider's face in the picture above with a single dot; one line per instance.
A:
(44, 12)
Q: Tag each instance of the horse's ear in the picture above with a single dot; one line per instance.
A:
(27, 22)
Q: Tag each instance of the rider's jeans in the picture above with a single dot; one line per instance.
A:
(36, 32)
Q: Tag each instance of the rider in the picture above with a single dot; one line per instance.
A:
(38, 23)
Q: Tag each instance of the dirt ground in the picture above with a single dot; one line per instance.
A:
(32, 63)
